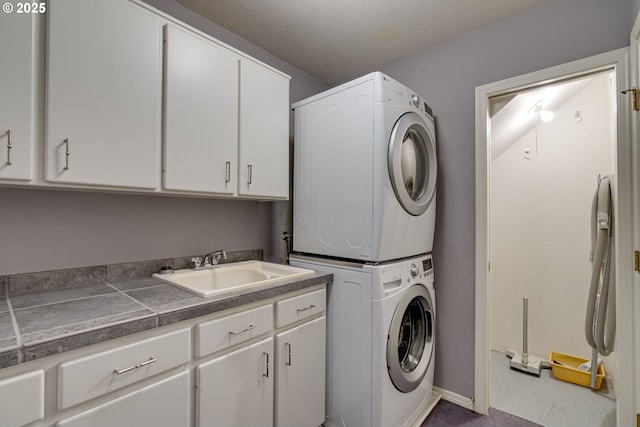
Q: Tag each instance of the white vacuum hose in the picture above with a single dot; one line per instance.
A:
(600, 320)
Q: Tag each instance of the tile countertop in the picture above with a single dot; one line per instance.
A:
(41, 323)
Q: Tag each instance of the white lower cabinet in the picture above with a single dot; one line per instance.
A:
(165, 403)
(248, 387)
(245, 369)
(300, 375)
(22, 399)
(237, 389)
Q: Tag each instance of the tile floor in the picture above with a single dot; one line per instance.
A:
(547, 400)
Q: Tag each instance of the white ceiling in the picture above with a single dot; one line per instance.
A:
(513, 116)
(336, 40)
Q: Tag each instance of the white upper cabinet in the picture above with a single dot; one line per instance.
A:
(17, 95)
(226, 121)
(264, 132)
(201, 114)
(136, 101)
(104, 94)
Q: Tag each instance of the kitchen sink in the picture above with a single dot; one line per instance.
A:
(222, 278)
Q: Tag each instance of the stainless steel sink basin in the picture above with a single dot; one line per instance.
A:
(233, 276)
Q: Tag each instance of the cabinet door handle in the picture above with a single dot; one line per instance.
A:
(9, 146)
(312, 306)
(66, 154)
(250, 171)
(227, 172)
(131, 368)
(266, 357)
(288, 362)
(247, 329)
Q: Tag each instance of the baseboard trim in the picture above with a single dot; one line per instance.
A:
(452, 397)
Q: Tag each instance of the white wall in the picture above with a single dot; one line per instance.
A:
(540, 225)
(446, 76)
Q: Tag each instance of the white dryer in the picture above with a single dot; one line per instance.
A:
(364, 172)
(380, 341)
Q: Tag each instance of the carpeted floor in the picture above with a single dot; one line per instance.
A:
(447, 414)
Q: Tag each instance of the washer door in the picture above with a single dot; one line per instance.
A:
(412, 163)
(410, 340)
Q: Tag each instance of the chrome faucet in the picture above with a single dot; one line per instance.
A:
(215, 256)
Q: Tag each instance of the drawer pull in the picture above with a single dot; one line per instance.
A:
(247, 329)
(9, 146)
(312, 306)
(266, 356)
(288, 362)
(131, 368)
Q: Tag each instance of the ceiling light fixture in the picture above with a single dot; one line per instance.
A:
(540, 114)
(545, 115)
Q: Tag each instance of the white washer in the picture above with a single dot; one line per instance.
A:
(380, 341)
(364, 172)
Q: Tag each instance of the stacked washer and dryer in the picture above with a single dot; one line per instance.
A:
(364, 210)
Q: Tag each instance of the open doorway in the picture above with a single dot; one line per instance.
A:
(624, 361)
(549, 144)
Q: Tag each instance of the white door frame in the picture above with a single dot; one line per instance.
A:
(634, 56)
(619, 61)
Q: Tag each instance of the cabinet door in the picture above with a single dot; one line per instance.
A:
(264, 132)
(22, 399)
(104, 90)
(300, 375)
(201, 114)
(17, 91)
(237, 389)
(162, 404)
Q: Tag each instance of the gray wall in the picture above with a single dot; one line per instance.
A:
(50, 229)
(47, 229)
(446, 76)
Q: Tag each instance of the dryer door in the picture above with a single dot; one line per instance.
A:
(412, 163)
(411, 339)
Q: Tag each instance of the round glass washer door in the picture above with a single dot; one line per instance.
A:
(412, 163)
(410, 340)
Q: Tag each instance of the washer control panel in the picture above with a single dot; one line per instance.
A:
(419, 268)
(427, 266)
(397, 275)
